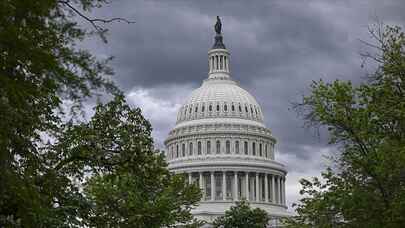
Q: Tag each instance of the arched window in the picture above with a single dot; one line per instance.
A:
(237, 147)
(199, 148)
(218, 148)
(196, 108)
(217, 107)
(240, 108)
(202, 108)
(208, 147)
(266, 150)
(183, 149)
(251, 110)
(233, 108)
(189, 110)
(254, 149)
(245, 149)
(190, 149)
(177, 151)
(225, 108)
(228, 147)
(210, 108)
(246, 109)
(260, 150)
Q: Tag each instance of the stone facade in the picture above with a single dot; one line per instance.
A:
(221, 143)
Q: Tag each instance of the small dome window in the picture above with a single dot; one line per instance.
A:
(233, 108)
(217, 107)
(251, 110)
(226, 108)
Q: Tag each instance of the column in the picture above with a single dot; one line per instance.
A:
(273, 189)
(284, 192)
(266, 188)
(200, 180)
(212, 186)
(257, 195)
(281, 190)
(235, 188)
(247, 186)
(190, 181)
(224, 185)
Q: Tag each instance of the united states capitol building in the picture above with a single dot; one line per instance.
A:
(221, 143)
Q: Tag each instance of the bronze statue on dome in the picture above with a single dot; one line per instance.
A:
(218, 26)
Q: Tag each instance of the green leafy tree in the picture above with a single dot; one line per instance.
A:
(243, 216)
(50, 176)
(130, 185)
(366, 185)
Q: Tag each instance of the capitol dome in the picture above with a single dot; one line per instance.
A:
(221, 143)
(220, 98)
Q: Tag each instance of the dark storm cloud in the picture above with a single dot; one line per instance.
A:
(277, 49)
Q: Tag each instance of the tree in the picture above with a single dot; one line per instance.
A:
(366, 185)
(242, 215)
(130, 185)
(50, 177)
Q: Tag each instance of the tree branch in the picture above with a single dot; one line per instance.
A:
(93, 21)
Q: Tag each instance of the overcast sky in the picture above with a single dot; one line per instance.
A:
(277, 49)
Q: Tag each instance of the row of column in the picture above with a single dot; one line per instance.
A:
(218, 63)
(252, 186)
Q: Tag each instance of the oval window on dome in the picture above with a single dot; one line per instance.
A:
(233, 108)
(217, 107)
(210, 108)
(225, 108)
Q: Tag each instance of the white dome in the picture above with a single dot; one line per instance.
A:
(221, 143)
(220, 98)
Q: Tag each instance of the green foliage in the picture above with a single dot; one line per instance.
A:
(242, 216)
(55, 170)
(130, 185)
(366, 188)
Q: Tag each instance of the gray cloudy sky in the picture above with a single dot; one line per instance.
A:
(277, 49)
